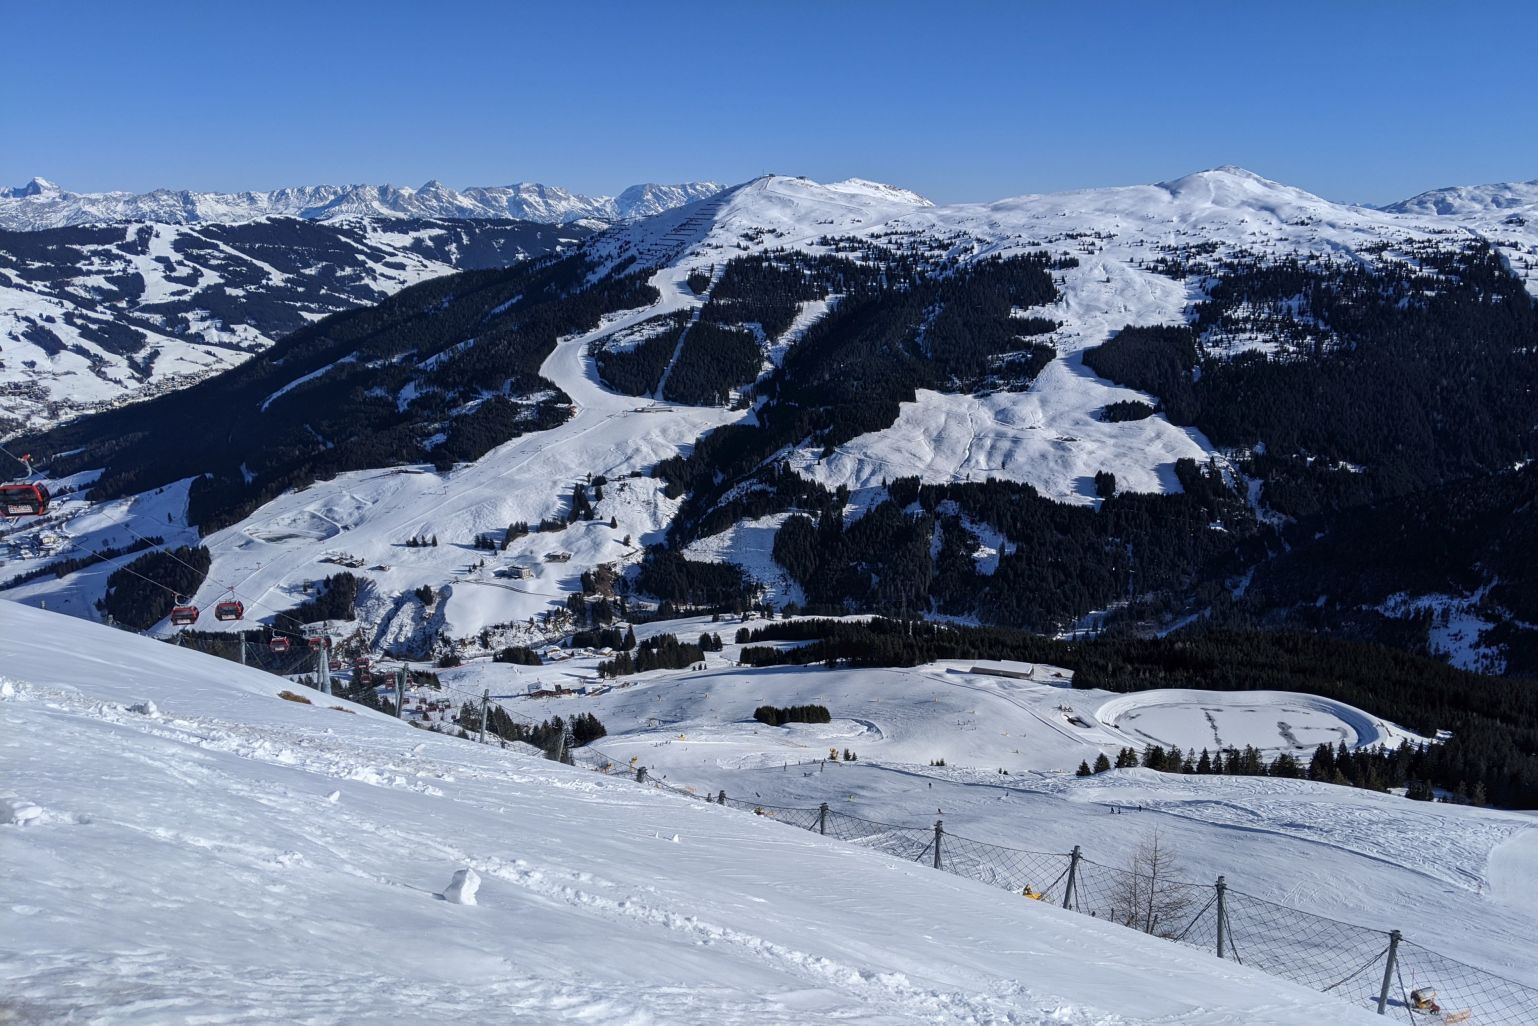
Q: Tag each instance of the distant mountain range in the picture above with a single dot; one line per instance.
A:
(41, 204)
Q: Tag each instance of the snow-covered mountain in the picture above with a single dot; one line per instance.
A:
(807, 317)
(1504, 199)
(41, 204)
(1217, 397)
(187, 845)
(96, 315)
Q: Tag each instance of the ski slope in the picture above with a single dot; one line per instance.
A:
(1448, 876)
(371, 514)
(182, 845)
(269, 558)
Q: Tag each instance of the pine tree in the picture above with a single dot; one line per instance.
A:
(1322, 765)
(1083, 770)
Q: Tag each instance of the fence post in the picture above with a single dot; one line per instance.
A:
(640, 774)
(822, 819)
(721, 798)
(939, 833)
(1388, 971)
(1073, 876)
(1222, 914)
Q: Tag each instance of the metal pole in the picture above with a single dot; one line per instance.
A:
(822, 819)
(323, 671)
(1388, 971)
(1222, 915)
(400, 694)
(242, 648)
(485, 701)
(939, 833)
(1073, 876)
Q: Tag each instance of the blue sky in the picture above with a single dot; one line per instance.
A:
(1357, 101)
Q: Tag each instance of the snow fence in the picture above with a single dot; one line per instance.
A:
(1357, 964)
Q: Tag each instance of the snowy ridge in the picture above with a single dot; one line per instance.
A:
(42, 204)
(246, 835)
(1473, 200)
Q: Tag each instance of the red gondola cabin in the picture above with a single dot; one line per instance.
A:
(181, 616)
(279, 645)
(23, 500)
(231, 610)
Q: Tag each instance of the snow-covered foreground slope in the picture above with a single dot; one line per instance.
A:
(1451, 877)
(182, 845)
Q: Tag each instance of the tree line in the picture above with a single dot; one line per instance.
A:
(662, 652)
(1492, 723)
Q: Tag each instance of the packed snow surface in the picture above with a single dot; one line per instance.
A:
(222, 855)
(1448, 876)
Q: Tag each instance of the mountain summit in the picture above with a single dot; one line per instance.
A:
(36, 187)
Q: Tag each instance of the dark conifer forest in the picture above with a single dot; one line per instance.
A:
(141, 593)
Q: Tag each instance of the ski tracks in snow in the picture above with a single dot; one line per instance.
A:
(136, 985)
(892, 994)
